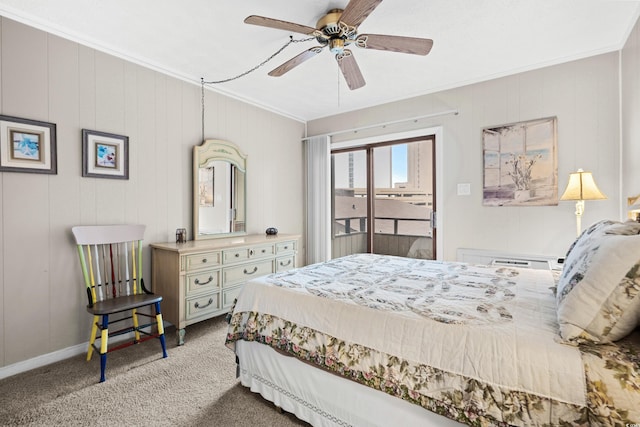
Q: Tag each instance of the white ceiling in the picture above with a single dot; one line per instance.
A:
(474, 40)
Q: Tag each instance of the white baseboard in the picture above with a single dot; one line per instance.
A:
(42, 360)
(56, 356)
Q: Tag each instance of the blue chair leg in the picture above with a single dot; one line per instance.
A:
(104, 339)
(164, 346)
(161, 329)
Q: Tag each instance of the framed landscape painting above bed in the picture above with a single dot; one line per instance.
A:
(520, 164)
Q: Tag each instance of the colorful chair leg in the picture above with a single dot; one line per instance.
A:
(103, 346)
(92, 339)
(136, 325)
(161, 330)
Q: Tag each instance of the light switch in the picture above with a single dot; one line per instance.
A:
(464, 189)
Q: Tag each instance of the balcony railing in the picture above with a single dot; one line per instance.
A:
(362, 225)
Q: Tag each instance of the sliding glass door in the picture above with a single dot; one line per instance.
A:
(383, 199)
(350, 205)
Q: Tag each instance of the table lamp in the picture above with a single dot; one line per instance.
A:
(634, 210)
(581, 187)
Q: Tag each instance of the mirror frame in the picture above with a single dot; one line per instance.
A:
(216, 150)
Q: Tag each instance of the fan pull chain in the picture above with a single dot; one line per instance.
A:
(291, 40)
(338, 82)
(202, 82)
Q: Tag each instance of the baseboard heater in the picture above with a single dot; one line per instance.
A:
(498, 258)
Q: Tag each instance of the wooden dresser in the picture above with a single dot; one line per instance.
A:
(200, 279)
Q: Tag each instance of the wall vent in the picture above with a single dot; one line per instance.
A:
(505, 259)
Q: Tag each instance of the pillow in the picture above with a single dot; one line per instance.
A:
(586, 234)
(598, 295)
(627, 228)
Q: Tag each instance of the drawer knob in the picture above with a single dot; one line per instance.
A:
(286, 247)
(204, 260)
(196, 305)
(237, 255)
(282, 264)
(197, 281)
(251, 272)
(264, 251)
(251, 252)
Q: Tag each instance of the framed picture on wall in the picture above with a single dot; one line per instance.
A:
(27, 146)
(520, 164)
(105, 155)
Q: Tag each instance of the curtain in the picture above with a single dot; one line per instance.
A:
(318, 179)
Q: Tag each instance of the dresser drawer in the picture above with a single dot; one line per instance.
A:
(235, 255)
(203, 260)
(203, 281)
(285, 263)
(229, 296)
(242, 273)
(261, 251)
(283, 247)
(203, 305)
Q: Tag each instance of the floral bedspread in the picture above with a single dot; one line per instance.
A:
(477, 344)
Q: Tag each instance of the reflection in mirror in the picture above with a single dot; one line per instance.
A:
(219, 185)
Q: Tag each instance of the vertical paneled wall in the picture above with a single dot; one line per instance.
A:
(44, 77)
(583, 94)
(630, 94)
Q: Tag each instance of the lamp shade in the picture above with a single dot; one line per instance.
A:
(581, 186)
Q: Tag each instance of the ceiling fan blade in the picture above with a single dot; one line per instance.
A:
(278, 24)
(402, 44)
(357, 11)
(350, 70)
(295, 61)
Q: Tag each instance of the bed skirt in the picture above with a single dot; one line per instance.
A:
(324, 399)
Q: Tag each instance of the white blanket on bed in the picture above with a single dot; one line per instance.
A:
(494, 324)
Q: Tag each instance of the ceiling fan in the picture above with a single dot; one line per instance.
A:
(338, 29)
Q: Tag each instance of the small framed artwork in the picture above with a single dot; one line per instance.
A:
(105, 155)
(27, 146)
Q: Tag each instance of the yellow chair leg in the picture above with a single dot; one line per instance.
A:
(160, 324)
(104, 340)
(92, 339)
(134, 316)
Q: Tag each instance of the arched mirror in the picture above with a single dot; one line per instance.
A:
(219, 190)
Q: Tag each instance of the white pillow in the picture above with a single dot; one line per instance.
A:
(598, 296)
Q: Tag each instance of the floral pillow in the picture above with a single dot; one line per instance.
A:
(627, 228)
(596, 228)
(598, 295)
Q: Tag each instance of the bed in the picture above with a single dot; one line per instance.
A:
(373, 340)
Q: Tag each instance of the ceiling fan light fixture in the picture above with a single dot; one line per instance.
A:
(336, 46)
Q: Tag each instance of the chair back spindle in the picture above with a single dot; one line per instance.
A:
(111, 268)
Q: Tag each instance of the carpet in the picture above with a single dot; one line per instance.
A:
(194, 386)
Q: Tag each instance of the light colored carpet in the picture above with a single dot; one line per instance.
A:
(194, 386)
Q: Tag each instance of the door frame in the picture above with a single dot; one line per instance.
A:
(438, 158)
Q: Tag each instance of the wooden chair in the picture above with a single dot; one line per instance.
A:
(111, 261)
